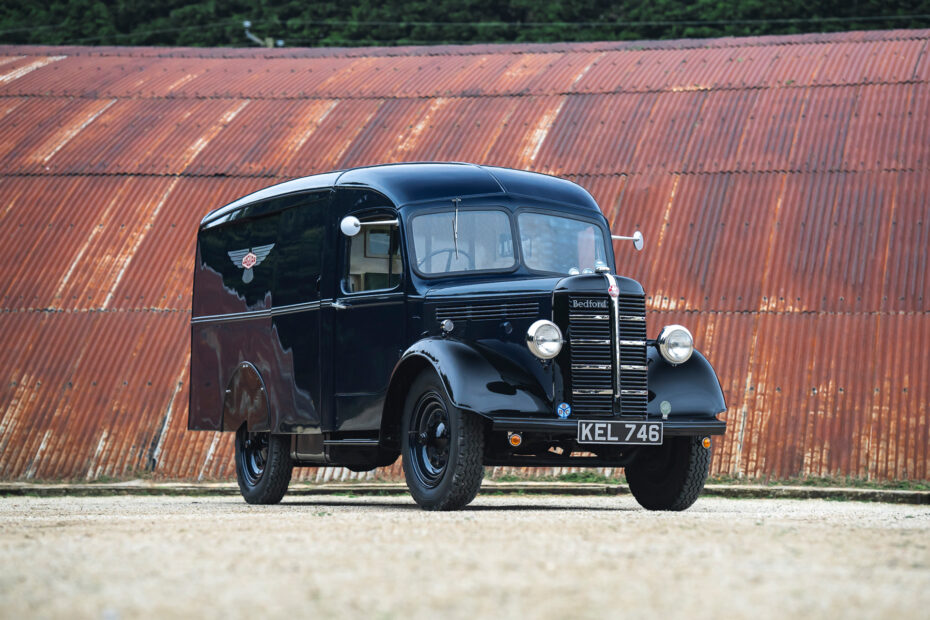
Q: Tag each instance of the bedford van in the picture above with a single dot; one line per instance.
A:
(454, 315)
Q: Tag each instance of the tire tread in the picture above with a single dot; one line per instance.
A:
(683, 485)
(468, 470)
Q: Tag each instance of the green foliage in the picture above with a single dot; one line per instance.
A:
(391, 22)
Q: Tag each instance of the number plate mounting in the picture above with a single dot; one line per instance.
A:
(636, 433)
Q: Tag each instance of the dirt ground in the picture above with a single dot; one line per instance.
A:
(506, 556)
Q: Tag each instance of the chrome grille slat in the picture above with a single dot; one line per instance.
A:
(586, 331)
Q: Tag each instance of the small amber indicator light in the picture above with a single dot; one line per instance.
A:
(706, 442)
(515, 439)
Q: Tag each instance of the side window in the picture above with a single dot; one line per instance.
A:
(301, 237)
(373, 258)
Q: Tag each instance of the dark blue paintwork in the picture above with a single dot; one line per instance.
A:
(418, 182)
(692, 389)
(274, 353)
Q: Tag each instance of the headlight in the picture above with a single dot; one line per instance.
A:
(675, 344)
(544, 338)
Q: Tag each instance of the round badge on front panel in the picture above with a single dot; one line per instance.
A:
(563, 410)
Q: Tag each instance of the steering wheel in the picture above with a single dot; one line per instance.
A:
(451, 253)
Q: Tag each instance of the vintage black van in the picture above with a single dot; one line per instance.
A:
(452, 314)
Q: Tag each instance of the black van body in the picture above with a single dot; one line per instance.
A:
(308, 343)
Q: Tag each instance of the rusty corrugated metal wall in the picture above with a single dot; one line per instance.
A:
(782, 184)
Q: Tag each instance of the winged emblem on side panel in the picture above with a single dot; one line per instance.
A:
(248, 258)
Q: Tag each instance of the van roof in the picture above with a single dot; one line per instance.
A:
(410, 183)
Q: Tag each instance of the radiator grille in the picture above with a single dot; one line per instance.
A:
(589, 335)
(631, 328)
(593, 338)
(488, 311)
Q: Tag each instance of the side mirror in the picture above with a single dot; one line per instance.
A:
(350, 226)
(637, 239)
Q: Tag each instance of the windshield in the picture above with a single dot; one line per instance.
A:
(560, 244)
(466, 240)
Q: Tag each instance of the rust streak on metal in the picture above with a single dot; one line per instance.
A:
(126, 256)
(32, 66)
(537, 136)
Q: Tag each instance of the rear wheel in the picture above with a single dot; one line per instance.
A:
(443, 448)
(263, 466)
(670, 476)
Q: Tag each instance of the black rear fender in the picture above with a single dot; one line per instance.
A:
(246, 401)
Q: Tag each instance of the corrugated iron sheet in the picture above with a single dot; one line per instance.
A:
(781, 184)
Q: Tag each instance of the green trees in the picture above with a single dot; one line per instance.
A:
(392, 22)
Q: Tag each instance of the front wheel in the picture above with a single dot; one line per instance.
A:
(670, 476)
(263, 466)
(443, 448)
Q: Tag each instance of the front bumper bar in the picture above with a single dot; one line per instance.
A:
(671, 428)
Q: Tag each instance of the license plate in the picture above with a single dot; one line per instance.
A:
(639, 433)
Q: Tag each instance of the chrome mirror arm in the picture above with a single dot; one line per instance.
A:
(350, 225)
(637, 239)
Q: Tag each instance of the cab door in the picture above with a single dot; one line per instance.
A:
(368, 312)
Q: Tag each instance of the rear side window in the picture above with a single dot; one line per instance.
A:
(470, 241)
(301, 237)
(268, 252)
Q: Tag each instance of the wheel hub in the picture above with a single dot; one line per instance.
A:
(429, 432)
(253, 455)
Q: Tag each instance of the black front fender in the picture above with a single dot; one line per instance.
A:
(488, 379)
(691, 389)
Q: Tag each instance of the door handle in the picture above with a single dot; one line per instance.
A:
(338, 305)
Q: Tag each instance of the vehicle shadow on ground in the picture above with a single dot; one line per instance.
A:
(529, 507)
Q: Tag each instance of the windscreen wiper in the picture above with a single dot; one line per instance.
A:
(455, 227)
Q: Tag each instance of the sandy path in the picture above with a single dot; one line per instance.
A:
(507, 556)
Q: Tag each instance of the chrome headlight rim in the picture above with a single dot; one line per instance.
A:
(531, 339)
(663, 343)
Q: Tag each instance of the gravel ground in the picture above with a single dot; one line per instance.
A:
(506, 556)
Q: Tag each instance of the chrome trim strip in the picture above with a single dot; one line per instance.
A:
(633, 343)
(591, 366)
(308, 305)
(593, 317)
(264, 313)
(632, 318)
(634, 392)
(233, 316)
(632, 367)
(582, 392)
(589, 341)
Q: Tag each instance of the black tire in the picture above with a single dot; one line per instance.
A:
(442, 447)
(671, 476)
(263, 466)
